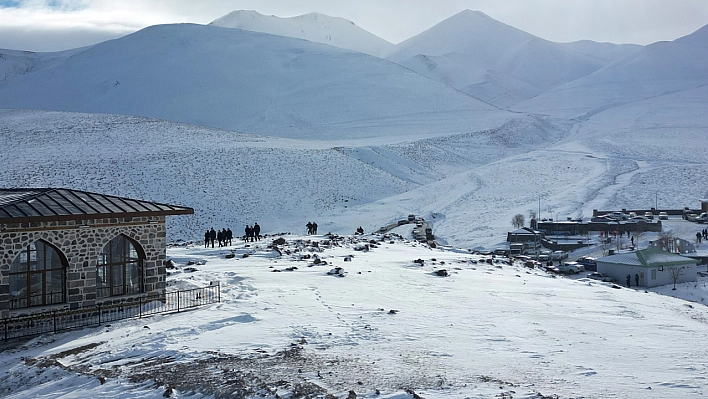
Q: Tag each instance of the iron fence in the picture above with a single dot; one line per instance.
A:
(64, 319)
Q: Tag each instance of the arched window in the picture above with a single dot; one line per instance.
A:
(37, 277)
(119, 270)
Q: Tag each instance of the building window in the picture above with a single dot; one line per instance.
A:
(37, 277)
(119, 269)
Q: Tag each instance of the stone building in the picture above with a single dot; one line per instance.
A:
(69, 249)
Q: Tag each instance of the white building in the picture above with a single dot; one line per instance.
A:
(649, 267)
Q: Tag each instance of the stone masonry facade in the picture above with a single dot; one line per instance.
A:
(80, 242)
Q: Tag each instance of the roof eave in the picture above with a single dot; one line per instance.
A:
(57, 218)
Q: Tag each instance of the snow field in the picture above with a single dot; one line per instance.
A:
(487, 329)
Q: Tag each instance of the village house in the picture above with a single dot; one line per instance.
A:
(649, 267)
(69, 249)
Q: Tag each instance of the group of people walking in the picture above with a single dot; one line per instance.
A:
(702, 235)
(223, 236)
(311, 227)
(253, 233)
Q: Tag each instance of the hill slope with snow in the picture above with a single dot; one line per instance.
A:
(493, 61)
(314, 27)
(251, 82)
(232, 179)
(658, 69)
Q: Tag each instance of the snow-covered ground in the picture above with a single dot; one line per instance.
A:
(390, 327)
(281, 131)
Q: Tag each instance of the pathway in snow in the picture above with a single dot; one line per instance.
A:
(605, 195)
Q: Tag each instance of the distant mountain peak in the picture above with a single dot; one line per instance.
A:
(315, 27)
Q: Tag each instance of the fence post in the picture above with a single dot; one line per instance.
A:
(178, 300)
(218, 291)
(54, 317)
(140, 308)
(5, 329)
(99, 314)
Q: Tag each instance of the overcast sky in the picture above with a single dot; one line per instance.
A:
(52, 25)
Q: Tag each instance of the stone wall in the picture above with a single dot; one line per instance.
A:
(81, 241)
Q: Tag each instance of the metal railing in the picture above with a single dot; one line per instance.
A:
(64, 319)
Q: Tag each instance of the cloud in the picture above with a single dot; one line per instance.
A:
(59, 25)
(50, 25)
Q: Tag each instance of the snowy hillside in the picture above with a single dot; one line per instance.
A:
(491, 60)
(250, 82)
(232, 179)
(658, 69)
(605, 52)
(314, 27)
(390, 329)
(248, 127)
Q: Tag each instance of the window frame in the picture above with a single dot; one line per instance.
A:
(32, 268)
(115, 268)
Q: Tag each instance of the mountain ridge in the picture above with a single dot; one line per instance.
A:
(315, 27)
(247, 81)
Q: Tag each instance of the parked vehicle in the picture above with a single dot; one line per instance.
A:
(571, 267)
(702, 218)
(543, 257)
(600, 277)
(588, 262)
(552, 269)
(516, 248)
(632, 214)
(619, 215)
(663, 216)
(501, 252)
(649, 215)
(559, 255)
(411, 217)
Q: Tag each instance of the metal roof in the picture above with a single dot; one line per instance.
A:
(650, 257)
(25, 205)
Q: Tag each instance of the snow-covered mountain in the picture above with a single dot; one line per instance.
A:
(658, 69)
(605, 52)
(248, 81)
(256, 127)
(494, 61)
(314, 27)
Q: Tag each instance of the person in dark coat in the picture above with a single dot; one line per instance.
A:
(249, 233)
(636, 280)
(207, 238)
(629, 280)
(229, 235)
(257, 231)
(220, 237)
(314, 228)
(212, 236)
(309, 227)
